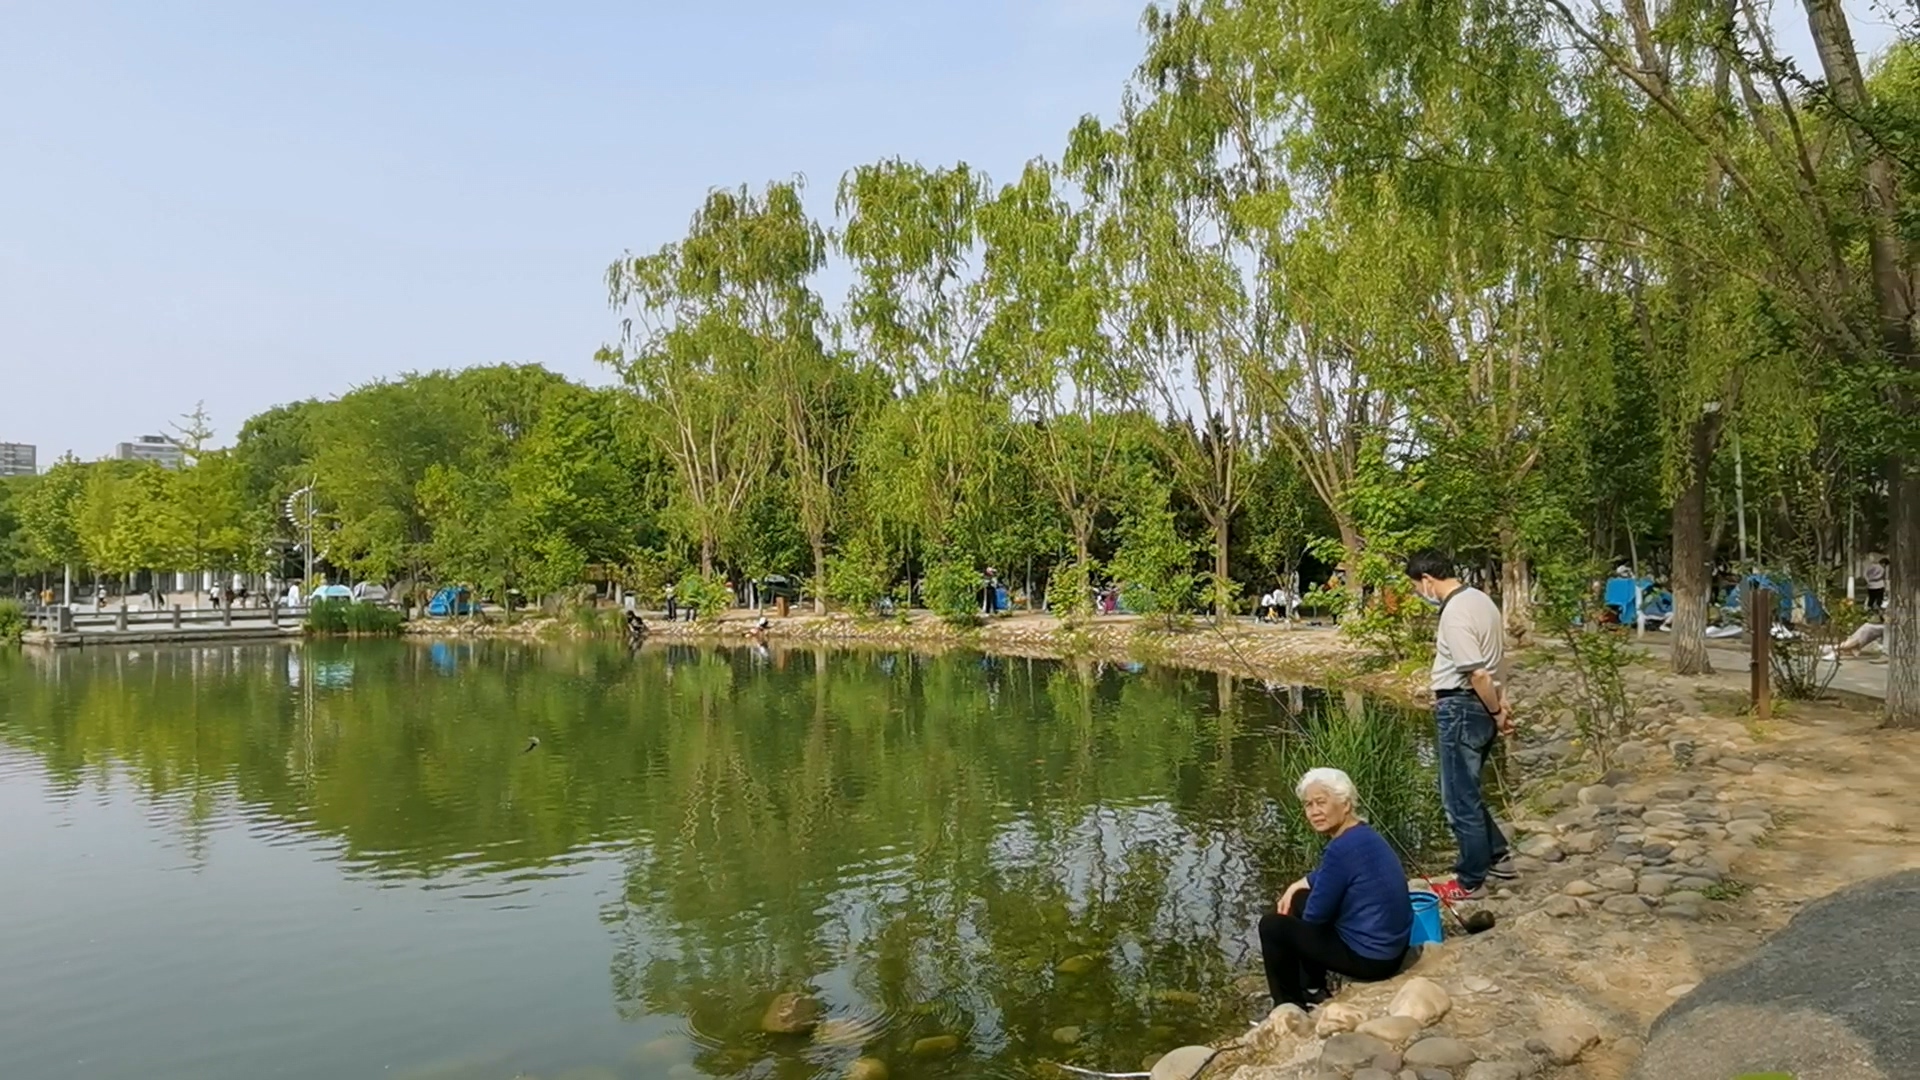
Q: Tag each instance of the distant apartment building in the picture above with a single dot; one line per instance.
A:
(155, 448)
(17, 459)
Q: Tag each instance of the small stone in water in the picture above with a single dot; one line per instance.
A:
(936, 1046)
(1078, 965)
(1066, 1036)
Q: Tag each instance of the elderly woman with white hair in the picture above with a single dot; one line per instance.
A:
(1351, 915)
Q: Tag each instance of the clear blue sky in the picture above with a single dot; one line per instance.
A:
(255, 202)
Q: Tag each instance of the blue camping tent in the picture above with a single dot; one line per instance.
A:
(452, 600)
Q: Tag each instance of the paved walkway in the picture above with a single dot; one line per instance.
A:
(1863, 675)
(1832, 997)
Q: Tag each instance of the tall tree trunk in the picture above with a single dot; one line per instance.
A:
(706, 555)
(1903, 595)
(1891, 261)
(1350, 542)
(1690, 558)
(820, 576)
(1222, 521)
(1516, 586)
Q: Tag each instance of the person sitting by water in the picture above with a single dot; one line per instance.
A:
(636, 626)
(1351, 915)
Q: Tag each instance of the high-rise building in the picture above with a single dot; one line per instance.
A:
(17, 459)
(155, 448)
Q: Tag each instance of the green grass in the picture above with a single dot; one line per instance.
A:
(1726, 890)
(1379, 747)
(353, 619)
(13, 622)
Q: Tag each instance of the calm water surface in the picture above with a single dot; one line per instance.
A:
(339, 861)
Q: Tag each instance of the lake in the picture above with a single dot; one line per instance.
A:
(340, 860)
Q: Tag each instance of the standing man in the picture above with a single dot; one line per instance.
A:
(1470, 713)
(1877, 584)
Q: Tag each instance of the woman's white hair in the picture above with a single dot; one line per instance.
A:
(1337, 784)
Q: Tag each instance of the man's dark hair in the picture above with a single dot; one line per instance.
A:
(1884, 561)
(1431, 564)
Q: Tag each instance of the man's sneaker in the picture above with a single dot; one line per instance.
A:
(1454, 893)
(1504, 870)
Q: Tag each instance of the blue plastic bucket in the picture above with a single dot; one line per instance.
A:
(1426, 920)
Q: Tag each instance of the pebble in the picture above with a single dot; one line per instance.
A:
(1543, 848)
(1350, 1050)
(1735, 765)
(1580, 887)
(1625, 905)
(866, 1068)
(1561, 907)
(1655, 885)
(1182, 1064)
(1336, 1017)
(1581, 843)
(1656, 849)
(1564, 1043)
(1494, 1070)
(1066, 1036)
(1371, 1073)
(1392, 1030)
(1598, 795)
(1615, 879)
(1421, 999)
(1681, 990)
(937, 1046)
(1439, 1052)
(1657, 818)
(1476, 984)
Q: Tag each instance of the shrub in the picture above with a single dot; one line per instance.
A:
(1154, 563)
(859, 575)
(1070, 591)
(1391, 622)
(952, 590)
(353, 618)
(13, 622)
(1602, 709)
(590, 621)
(706, 595)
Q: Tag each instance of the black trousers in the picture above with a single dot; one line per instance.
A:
(1298, 955)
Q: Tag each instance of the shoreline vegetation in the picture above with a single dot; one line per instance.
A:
(1310, 654)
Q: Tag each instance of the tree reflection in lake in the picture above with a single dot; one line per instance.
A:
(962, 853)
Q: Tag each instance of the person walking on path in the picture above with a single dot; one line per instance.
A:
(1470, 715)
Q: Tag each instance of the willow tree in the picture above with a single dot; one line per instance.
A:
(930, 459)
(1044, 342)
(1169, 257)
(706, 321)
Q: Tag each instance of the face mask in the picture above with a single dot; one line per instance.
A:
(1428, 600)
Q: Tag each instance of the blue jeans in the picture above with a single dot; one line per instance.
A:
(1467, 734)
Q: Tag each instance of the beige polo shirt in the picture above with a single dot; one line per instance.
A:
(1471, 636)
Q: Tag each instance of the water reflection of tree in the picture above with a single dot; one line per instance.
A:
(911, 837)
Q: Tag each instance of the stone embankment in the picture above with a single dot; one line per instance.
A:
(1703, 834)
